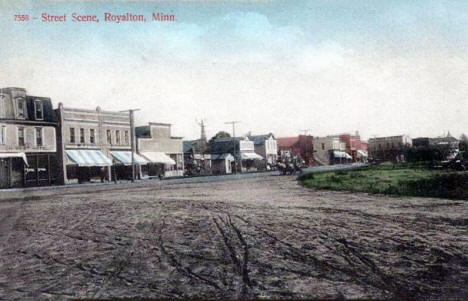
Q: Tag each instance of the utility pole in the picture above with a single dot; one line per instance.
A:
(306, 155)
(132, 139)
(234, 141)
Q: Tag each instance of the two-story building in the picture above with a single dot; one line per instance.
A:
(300, 147)
(28, 125)
(234, 154)
(330, 150)
(267, 147)
(95, 145)
(163, 151)
(390, 148)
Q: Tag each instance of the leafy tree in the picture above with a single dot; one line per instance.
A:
(220, 134)
(463, 146)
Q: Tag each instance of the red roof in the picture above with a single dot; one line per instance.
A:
(287, 141)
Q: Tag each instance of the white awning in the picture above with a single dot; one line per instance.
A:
(158, 157)
(362, 153)
(225, 156)
(251, 156)
(88, 158)
(126, 158)
(338, 154)
(15, 155)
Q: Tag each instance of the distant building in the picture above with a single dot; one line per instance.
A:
(95, 145)
(354, 146)
(300, 146)
(447, 140)
(330, 150)
(165, 152)
(391, 148)
(267, 147)
(241, 149)
(28, 152)
(447, 146)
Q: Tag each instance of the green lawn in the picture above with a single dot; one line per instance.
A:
(411, 180)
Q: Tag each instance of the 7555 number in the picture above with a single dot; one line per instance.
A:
(22, 18)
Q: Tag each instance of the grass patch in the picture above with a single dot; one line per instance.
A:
(393, 179)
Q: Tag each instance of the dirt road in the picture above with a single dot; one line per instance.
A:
(264, 237)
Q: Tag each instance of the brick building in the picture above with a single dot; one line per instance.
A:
(300, 146)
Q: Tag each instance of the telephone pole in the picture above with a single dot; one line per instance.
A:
(132, 138)
(306, 156)
(234, 141)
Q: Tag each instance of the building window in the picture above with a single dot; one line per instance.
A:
(21, 136)
(82, 136)
(117, 137)
(323, 146)
(3, 134)
(39, 137)
(2, 105)
(21, 107)
(72, 135)
(126, 137)
(38, 109)
(92, 137)
(109, 137)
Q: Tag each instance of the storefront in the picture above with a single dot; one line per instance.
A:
(42, 169)
(12, 169)
(159, 164)
(252, 162)
(123, 164)
(87, 166)
(339, 157)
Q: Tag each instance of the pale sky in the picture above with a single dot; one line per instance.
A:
(379, 67)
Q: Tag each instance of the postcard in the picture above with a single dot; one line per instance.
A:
(233, 150)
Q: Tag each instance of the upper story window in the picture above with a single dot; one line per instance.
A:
(323, 146)
(117, 137)
(72, 135)
(20, 136)
(21, 108)
(126, 137)
(39, 141)
(38, 110)
(82, 136)
(2, 134)
(92, 137)
(109, 137)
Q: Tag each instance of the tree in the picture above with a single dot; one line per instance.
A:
(220, 134)
(463, 146)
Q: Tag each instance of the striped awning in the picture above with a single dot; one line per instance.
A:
(88, 158)
(126, 158)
